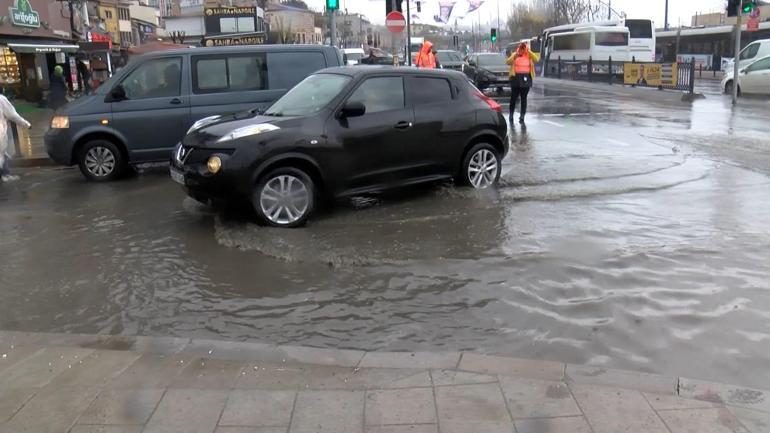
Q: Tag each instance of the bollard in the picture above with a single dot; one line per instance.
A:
(700, 72)
(16, 140)
(692, 77)
(558, 74)
(590, 69)
(610, 70)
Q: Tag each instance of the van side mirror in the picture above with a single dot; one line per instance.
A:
(353, 109)
(118, 93)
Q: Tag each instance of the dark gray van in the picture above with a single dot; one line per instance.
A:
(144, 110)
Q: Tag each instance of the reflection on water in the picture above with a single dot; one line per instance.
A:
(605, 249)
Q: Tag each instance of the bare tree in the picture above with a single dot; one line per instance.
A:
(528, 19)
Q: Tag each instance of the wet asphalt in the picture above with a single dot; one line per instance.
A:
(624, 233)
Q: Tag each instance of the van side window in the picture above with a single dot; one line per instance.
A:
(750, 52)
(289, 68)
(159, 78)
(217, 74)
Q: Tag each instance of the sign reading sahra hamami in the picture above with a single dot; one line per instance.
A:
(23, 15)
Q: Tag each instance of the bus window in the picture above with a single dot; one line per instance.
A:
(570, 42)
(639, 29)
(611, 39)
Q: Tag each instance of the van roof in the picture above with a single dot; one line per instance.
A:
(238, 49)
(359, 70)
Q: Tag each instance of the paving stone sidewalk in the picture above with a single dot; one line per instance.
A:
(66, 383)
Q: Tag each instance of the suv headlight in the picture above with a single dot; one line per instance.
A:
(60, 122)
(247, 131)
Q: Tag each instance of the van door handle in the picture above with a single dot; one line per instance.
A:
(403, 125)
(175, 101)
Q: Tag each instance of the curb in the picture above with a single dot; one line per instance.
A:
(693, 389)
(648, 93)
(32, 162)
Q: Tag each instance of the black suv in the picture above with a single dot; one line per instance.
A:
(343, 132)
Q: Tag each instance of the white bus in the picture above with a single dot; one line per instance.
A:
(593, 42)
(641, 40)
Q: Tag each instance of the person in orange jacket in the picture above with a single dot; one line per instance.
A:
(522, 72)
(426, 58)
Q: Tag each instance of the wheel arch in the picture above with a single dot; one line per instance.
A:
(296, 160)
(482, 137)
(99, 134)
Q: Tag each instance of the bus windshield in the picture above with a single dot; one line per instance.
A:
(639, 29)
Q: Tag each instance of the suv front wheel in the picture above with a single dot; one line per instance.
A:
(101, 161)
(285, 197)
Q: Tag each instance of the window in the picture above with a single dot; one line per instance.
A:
(491, 60)
(309, 96)
(108, 14)
(124, 14)
(760, 65)
(236, 25)
(380, 94)
(154, 79)
(750, 52)
(227, 74)
(640, 29)
(611, 39)
(571, 42)
(287, 69)
(430, 91)
(448, 56)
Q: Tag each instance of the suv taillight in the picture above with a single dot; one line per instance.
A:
(491, 102)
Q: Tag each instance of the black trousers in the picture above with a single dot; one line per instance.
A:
(516, 92)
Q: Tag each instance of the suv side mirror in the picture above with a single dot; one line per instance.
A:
(353, 109)
(118, 93)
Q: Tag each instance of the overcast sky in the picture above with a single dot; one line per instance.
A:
(678, 9)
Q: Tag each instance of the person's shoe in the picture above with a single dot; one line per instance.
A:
(521, 120)
(10, 178)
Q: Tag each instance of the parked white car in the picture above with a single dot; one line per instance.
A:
(752, 79)
(353, 55)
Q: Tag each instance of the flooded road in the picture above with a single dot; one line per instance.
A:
(624, 233)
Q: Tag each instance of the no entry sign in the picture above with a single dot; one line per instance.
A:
(395, 22)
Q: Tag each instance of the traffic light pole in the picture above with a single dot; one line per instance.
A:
(333, 27)
(736, 59)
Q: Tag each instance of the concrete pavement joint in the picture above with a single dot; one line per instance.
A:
(656, 412)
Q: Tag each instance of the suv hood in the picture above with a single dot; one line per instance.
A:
(209, 130)
(496, 69)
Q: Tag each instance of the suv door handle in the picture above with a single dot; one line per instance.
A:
(403, 125)
(175, 101)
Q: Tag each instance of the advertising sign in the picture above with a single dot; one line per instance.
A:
(23, 15)
(650, 74)
(229, 20)
(234, 41)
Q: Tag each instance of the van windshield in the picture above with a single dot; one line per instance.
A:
(309, 96)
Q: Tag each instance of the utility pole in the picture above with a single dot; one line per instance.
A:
(609, 10)
(736, 59)
(408, 34)
(665, 24)
(333, 28)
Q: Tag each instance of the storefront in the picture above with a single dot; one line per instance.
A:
(35, 37)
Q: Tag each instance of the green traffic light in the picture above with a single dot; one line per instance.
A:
(332, 5)
(748, 6)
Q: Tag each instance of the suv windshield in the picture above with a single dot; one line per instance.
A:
(354, 56)
(491, 60)
(446, 57)
(309, 96)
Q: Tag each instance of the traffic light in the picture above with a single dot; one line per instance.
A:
(419, 7)
(493, 35)
(746, 6)
(389, 6)
(332, 5)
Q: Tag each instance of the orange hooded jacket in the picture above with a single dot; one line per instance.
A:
(425, 58)
(520, 56)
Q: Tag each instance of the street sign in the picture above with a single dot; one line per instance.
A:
(395, 22)
(753, 24)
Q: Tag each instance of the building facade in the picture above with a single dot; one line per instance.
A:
(290, 25)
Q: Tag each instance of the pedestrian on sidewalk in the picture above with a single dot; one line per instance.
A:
(425, 58)
(8, 113)
(522, 63)
(57, 93)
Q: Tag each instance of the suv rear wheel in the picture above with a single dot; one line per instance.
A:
(285, 197)
(101, 161)
(481, 167)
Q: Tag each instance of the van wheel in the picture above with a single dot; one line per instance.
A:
(101, 161)
(285, 197)
(481, 167)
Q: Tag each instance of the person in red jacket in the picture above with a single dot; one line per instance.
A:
(426, 58)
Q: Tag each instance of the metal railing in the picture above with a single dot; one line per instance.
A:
(611, 72)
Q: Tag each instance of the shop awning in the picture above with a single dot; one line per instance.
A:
(43, 48)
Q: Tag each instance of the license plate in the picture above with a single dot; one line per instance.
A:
(177, 176)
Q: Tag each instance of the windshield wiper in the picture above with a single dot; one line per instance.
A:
(273, 114)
